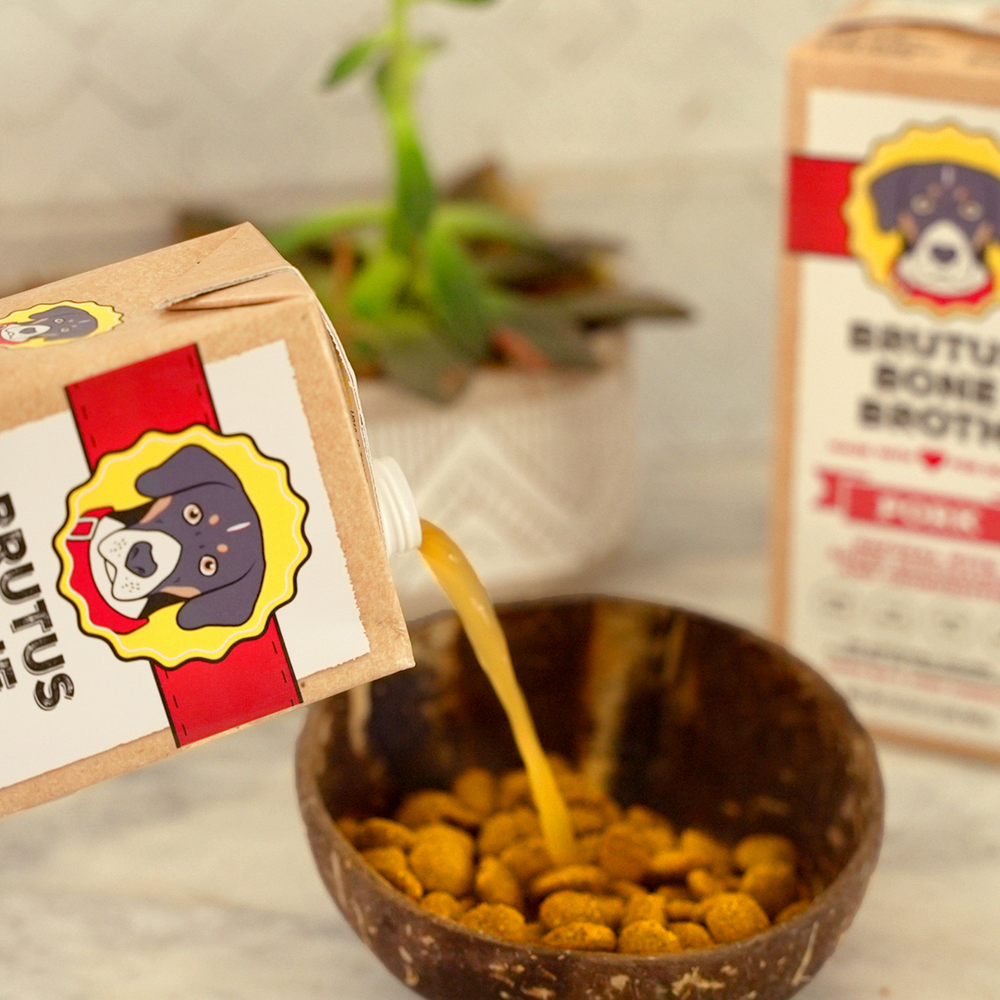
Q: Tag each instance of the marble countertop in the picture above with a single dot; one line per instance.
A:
(193, 879)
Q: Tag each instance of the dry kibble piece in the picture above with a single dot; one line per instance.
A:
(612, 910)
(658, 838)
(793, 910)
(703, 883)
(445, 835)
(496, 919)
(581, 878)
(349, 827)
(527, 858)
(587, 818)
(444, 830)
(433, 806)
(533, 932)
(441, 858)
(648, 906)
(496, 883)
(760, 847)
(513, 790)
(558, 763)
(644, 818)
(673, 864)
(626, 889)
(674, 892)
(624, 852)
(381, 832)
(772, 883)
(577, 790)
(505, 828)
(657, 833)
(718, 859)
(647, 937)
(477, 788)
(691, 935)
(683, 909)
(581, 936)
(733, 916)
(587, 848)
(443, 904)
(568, 907)
(390, 863)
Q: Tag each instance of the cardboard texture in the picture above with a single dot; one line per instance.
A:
(189, 537)
(887, 542)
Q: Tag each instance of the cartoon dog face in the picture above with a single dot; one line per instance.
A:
(56, 323)
(198, 540)
(947, 215)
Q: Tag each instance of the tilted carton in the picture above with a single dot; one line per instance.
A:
(189, 534)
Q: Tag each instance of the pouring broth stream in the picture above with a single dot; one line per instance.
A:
(472, 603)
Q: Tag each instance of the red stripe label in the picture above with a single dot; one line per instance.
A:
(926, 513)
(165, 393)
(170, 393)
(255, 679)
(816, 192)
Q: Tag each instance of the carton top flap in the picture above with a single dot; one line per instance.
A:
(253, 290)
(216, 280)
(974, 18)
(171, 275)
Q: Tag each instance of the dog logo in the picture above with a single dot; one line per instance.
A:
(924, 216)
(56, 323)
(182, 546)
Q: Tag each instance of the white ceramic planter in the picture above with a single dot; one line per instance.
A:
(531, 473)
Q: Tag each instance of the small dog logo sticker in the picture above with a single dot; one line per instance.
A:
(56, 323)
(181, 546)
(924, 217)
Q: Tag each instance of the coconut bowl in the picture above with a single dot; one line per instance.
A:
(703, 721)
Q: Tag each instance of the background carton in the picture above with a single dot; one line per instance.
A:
(886, 557)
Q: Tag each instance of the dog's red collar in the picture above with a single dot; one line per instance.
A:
(973, 298)
(82, 580)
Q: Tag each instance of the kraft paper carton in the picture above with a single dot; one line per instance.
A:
(888, 542)
(189, 538)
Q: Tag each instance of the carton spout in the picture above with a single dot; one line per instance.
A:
(397, 507)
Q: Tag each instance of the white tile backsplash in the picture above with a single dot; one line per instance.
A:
(656, 121)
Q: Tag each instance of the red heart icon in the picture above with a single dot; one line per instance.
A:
(932, 458)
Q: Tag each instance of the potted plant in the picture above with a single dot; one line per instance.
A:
(451, 295)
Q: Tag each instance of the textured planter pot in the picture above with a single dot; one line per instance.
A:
(708, 723)
(532, 473)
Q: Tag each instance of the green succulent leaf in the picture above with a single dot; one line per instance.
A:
(610, 305)
(398, 328)
(320, 228)
(415, 193)
(354, 58)
(427, 47)
(459, 295)
(552, 330)
(427, 367)
(478, 221)
(377, 287)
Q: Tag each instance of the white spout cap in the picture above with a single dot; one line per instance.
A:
(397, 508)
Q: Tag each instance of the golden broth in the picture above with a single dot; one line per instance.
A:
(475, 610)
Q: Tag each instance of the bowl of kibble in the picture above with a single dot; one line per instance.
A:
(727, 810)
